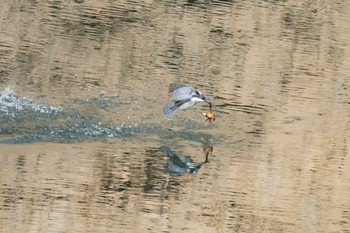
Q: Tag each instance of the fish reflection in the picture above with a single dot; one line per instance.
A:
(182, 164)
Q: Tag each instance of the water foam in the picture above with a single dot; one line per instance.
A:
(11, 105)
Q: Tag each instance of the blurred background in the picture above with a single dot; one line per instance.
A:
(84, 146)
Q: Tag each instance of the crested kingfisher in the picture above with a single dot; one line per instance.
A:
(183, 96)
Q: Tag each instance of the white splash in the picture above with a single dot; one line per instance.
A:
(10, 104)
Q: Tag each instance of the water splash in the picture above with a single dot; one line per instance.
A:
(13, 107)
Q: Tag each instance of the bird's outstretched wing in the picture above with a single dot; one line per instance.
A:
(175, 86)
(170, 108)
(181, 91)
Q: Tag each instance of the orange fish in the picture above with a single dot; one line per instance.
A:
(209, 115)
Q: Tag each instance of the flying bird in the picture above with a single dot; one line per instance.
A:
(183, 96)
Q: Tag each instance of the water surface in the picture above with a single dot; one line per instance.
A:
(82, 136)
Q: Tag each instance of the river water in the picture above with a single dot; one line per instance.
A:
(84, 146)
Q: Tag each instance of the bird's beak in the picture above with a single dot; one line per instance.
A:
(207, 101)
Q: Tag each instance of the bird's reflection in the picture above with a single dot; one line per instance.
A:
(182, 164)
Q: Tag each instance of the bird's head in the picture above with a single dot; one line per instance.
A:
(199, 96)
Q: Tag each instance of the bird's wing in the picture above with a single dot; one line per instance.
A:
(183, 93)
(170, 108)
(175, 86)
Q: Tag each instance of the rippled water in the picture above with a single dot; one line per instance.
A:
(84, 146)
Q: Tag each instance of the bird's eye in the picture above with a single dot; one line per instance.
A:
(197, 93)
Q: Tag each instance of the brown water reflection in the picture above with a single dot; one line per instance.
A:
(277, 72)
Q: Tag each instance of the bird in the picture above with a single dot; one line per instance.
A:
(183, 96)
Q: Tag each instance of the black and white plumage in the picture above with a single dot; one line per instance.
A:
(183, 96)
